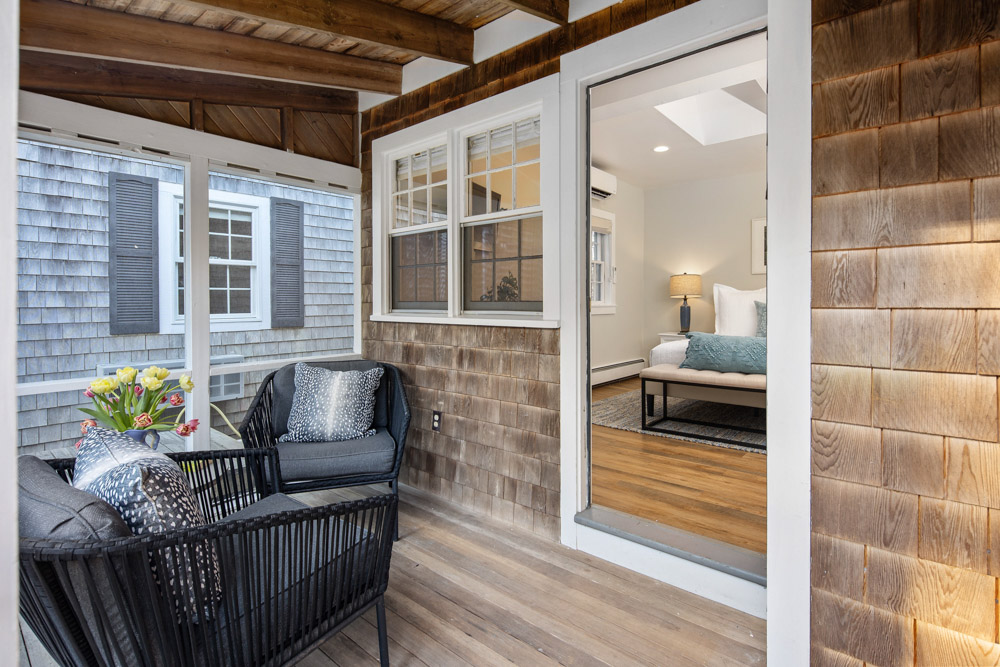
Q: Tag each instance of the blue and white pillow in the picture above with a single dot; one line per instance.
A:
(329, 406)
(761, 319)
(152, 495)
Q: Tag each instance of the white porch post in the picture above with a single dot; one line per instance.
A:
(196, 305)
(8, 333)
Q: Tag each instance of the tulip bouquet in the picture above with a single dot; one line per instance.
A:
(130, 400)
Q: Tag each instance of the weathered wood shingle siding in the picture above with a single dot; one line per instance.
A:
(63, 314)
(905, 430)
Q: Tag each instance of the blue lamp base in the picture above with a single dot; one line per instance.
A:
(685, 317)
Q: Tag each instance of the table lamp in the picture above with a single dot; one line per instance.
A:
(681, 287)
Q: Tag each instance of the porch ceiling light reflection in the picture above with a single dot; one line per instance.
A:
(714, 117)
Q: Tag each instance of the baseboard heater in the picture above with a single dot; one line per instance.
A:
(613, 372)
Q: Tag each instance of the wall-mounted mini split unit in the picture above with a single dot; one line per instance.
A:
(602, 184)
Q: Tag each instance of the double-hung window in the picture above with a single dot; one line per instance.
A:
(602, 262)
(465, 214)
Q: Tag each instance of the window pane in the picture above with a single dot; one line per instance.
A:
(499, 274)
(218, 302)
(475, 154)
(179, 272)
(239, 301)
(239, 277)
(506, 243)
(531, 237)
(218, 221)
(476, 196)
(246, 333)
(502, 195)
(439, 165)
(402, 174)
(439, 203)
(419, 212)
(531, 280)
(419, 169)
(401, 211)
(418, 262)
(242, 248)
(64, 283)
(218, 276)
(528, 185)
(528, 139)
(218, 246)
(501, 147)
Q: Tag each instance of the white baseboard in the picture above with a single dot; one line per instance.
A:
(612, 372)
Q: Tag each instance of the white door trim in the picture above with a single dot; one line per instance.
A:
(697, 26)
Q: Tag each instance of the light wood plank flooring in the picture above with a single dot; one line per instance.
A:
(712, 491)
(465, 590)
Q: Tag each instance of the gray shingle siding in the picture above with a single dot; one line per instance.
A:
(63, 301)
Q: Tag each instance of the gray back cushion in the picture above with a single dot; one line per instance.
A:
(49, 508)
(284, 390)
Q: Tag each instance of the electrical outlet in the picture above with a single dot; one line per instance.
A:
(436, 420)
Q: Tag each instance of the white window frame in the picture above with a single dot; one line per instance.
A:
(389, 163)
(171, 198)
(539, 98)
(607, 306)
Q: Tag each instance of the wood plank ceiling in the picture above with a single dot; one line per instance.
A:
(282, 74)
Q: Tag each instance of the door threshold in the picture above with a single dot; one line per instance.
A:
(736, 561)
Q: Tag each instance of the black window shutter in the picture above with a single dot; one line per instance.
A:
(287, 301)
(133, 259)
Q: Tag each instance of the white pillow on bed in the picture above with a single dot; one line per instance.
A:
(735, 312)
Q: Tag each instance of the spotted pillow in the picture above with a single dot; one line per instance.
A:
(332, 405)
(152, 495)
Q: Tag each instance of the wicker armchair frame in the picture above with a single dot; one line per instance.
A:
(257, 432)
(288, 579)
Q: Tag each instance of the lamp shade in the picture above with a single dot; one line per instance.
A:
(685, 285)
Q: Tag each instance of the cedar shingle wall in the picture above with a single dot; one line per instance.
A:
(498, 449)
(906, 338)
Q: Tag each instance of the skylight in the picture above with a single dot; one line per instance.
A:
(715, 116)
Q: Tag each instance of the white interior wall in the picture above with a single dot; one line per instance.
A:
(618, 337)
(699, 227)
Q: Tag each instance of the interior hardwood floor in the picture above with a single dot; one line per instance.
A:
(712, 491)
(466, 590)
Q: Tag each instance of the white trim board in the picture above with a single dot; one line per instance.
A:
(678, 33)
(41, 112)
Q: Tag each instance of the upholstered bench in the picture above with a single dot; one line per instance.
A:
(670, 380)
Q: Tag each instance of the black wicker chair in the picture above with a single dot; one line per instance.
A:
(289, 579)
(350, 463)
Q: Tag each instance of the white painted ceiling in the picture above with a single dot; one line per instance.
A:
(625, 125)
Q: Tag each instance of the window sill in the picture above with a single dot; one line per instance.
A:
(603, 310)
(477, 320)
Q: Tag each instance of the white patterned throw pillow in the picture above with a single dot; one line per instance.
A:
(332, 405)
(152, 495)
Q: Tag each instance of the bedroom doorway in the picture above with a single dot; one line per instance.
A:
(677, 302)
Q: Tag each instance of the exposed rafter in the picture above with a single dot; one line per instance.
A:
(56, 26)
(367, 21)
(556, 11)
(63, 74)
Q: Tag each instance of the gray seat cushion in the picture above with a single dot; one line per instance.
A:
(49, 508)
(272, 504)
(323, 460)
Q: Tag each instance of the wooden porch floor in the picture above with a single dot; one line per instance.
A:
(465, 590)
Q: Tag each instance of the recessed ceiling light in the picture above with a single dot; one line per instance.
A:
(661, 149)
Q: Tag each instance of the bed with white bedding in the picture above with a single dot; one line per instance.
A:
(671, 352)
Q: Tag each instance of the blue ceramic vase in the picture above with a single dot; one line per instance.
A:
(142, 436)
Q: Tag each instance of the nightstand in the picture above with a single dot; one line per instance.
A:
(667, 337)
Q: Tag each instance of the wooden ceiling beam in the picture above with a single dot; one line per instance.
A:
(366, 21)
(556, 11)
(57, 73)
(63, 27)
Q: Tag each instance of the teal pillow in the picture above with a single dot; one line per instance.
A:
(761, 318)
(726, 354)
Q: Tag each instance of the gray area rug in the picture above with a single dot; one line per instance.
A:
(624, 412)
